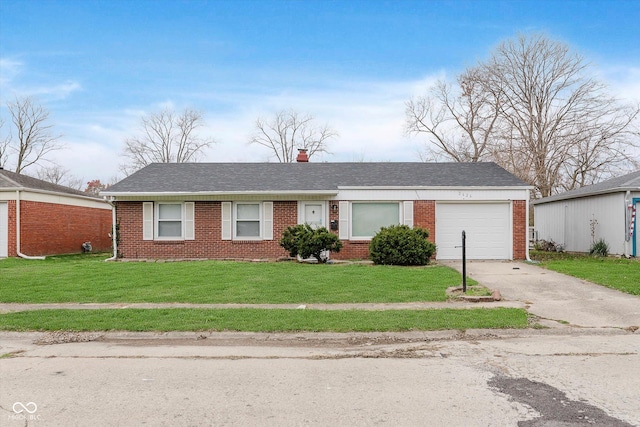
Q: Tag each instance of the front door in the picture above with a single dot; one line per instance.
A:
(314, 215)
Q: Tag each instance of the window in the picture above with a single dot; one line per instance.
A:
(367, 218)
(247, 220)
(169, 220)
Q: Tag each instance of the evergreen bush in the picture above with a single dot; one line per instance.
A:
(401, 245)
(308, 242)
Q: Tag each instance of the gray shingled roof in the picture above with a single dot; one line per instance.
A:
(15, 181)
(629, 182)
(289, 177)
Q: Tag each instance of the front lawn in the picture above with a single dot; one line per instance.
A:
(88, 279)
(262, 320)
(617, 273)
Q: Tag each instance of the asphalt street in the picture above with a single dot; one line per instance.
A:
(550, 377)
(579, 367)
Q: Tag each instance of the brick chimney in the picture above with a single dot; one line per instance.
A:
(302, 156)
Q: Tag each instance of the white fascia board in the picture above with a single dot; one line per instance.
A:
(440, 187)
(561, 197)
(52, 193)
(436, 193)
(186, 194)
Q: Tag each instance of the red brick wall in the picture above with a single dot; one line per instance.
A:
(208, 241)
(424, 215)
(520, 229)
(50, 228)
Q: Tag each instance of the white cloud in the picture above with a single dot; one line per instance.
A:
(57, 91)
(624, 82)
(369, 117)
(9, 68)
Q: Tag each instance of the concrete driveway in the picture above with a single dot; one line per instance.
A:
(556, 296)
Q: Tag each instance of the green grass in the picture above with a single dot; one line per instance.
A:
(617, 273)
(262, 320)
(88, 279)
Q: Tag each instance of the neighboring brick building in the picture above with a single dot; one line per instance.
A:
(239, 210)
(52, 219)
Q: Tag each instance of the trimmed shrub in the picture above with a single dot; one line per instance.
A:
(305, 241)
(599, 248)
(401, 245)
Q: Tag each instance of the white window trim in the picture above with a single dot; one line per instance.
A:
(156, 221)
(365, 238)
(235, 221)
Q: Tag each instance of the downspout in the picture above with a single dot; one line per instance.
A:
(113, 230)
(20, 254)
(527, 234)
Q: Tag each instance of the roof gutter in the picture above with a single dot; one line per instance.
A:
(438, 187)
(562, 197)
(53, 193)
(20, 254)
(213, 193)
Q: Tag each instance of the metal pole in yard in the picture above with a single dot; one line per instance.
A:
(464, 261)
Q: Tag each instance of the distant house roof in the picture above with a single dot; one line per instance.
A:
(15, 181)
(171, 178)
(629, 182)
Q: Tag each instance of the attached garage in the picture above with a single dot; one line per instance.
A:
(487, 227)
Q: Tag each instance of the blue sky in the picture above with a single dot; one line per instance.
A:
(99, 65)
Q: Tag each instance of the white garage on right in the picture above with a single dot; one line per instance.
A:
(578, 218)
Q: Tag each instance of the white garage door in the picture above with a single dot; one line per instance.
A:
(4, 230)
(487, 227)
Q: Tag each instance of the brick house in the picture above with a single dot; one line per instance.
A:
(40, 218)
(240, 210)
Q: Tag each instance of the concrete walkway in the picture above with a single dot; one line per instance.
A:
(14, 307)
(556, 296)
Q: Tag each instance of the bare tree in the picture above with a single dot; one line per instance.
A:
(534, 109)
(56, 174)
(555, 117)
(459, 121)
(167, 137)
(289, 131)
(33, 135)
(4, 146)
